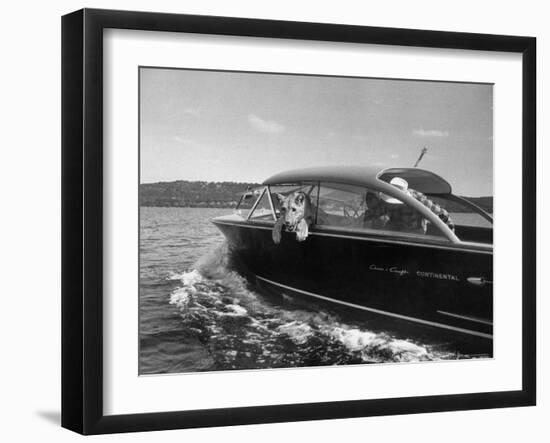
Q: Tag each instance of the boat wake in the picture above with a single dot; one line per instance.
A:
(244, 329)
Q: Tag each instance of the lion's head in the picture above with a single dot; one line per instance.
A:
(296, 215)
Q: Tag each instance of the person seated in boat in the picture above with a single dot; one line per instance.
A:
(441, 212)
(401, 217)
(405, 219)
(375, 216)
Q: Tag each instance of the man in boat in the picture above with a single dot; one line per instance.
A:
(375, 216)
(401, 217)
(404, 218)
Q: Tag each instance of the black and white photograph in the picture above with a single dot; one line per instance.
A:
(291, 221)
(245, 222)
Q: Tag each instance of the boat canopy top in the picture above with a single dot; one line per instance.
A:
(418, 179)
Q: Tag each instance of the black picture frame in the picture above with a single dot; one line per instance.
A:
(82, 218)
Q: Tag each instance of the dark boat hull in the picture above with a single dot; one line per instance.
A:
(447, 287)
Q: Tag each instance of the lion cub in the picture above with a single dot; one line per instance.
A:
(296, 216)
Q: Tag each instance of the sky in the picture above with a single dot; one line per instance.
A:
(245, 127)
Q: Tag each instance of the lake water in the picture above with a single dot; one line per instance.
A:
(197, 314)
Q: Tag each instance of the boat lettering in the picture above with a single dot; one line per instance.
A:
(401, 272)
(392, 269)
(437, 275)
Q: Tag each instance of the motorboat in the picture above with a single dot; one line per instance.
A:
(439, 274)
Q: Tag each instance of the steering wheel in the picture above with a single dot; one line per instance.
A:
(350, 212)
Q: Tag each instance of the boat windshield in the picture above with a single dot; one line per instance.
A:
(472, 217)
(467, 212)
(248, 199)
(262, 209)
(358, 208)
(262, 204)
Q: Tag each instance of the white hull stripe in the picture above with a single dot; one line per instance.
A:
(373, 239)
(467, 317)
(378, 311)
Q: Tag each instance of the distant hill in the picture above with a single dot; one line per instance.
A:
(192, 194)
(202, 194)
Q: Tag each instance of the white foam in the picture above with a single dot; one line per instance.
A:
(237, 310)
(298, 332)
(407, 349)
(187, 278)
(354, 339)
(365, 341)
(180, 296)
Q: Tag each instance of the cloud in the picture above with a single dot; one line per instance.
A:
(430, 133)
(266, 126)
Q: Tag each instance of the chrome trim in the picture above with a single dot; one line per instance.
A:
(379, 311)
(255, 204)
(466, 317)
(270, 198)
(479, 281)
